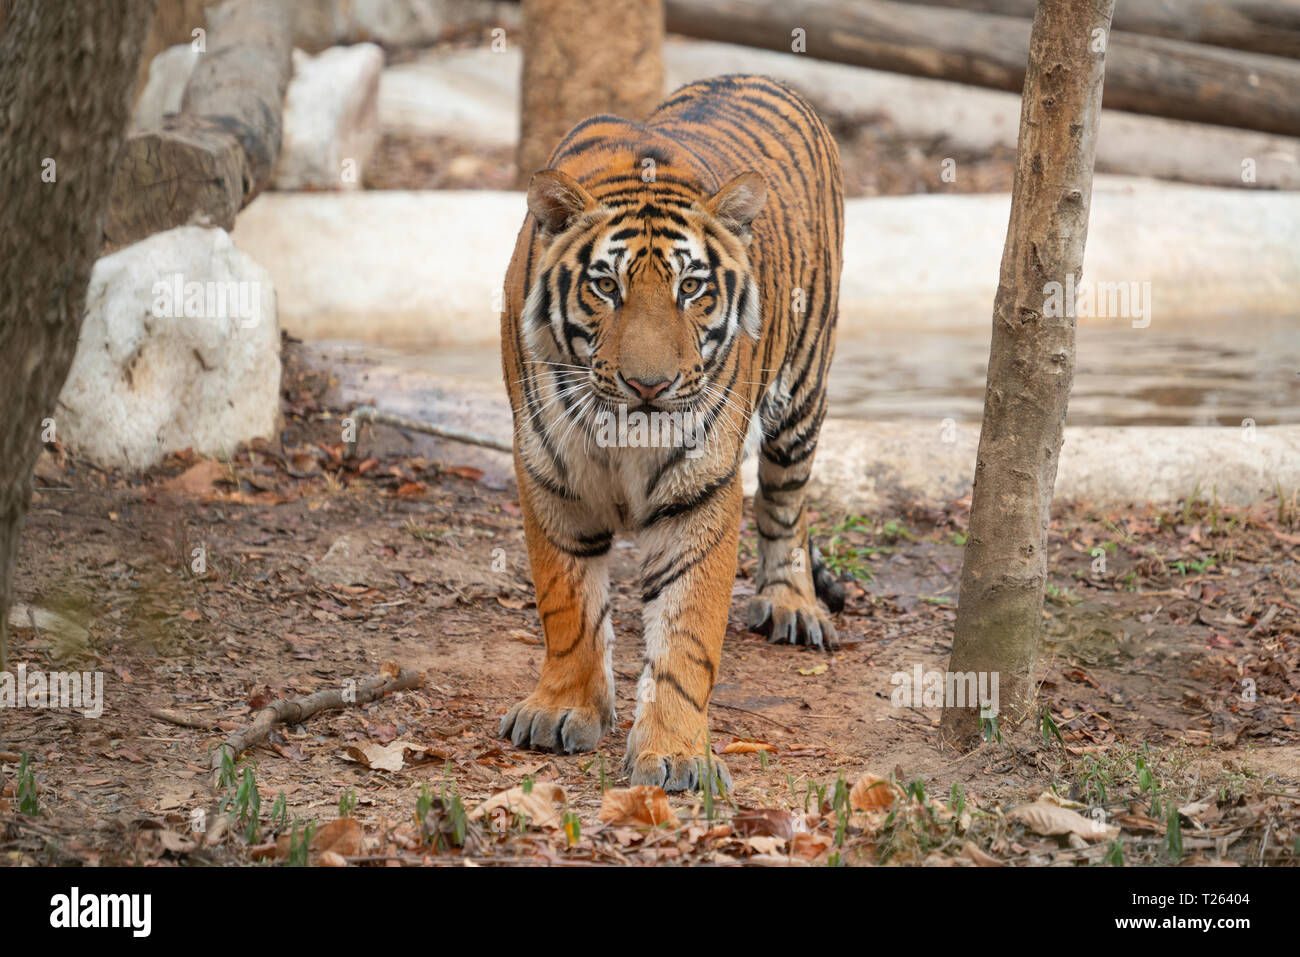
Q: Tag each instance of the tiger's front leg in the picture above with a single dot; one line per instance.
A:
(687, 577)
(573, 704)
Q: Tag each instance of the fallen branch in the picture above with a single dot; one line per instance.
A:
(368, 413)
(183, 719)
(295, 710)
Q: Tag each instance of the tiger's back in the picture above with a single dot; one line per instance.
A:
(687, 266)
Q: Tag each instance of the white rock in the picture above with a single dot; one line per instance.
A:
(331, 118)
(147, 379)
(168, 74)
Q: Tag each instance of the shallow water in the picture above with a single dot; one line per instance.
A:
(1167, 374)
(1208, 374)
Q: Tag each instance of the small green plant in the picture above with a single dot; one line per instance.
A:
(957, 800)
(1062, 596)
(958, 539)
(526, 785)
(300, 842)
(280, 813)
(1173, 842)
(1115, 854)
(226, 778)
(248, 806)
(989, 728)
(347, 804)
(25, 789)
(572, 827)
(1047, 726)
(1096, 782)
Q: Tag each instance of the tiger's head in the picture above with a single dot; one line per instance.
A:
(648, 291)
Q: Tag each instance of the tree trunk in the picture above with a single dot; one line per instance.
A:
(1259, 26)
(67, 78)
(580, 60)
(1153, 75)
(1031, 364)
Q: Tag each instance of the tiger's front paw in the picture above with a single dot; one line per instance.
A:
(786, 616)
(677, 772)
(551, 726)
(672, 762)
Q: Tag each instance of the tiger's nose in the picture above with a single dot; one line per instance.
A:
(648, 390)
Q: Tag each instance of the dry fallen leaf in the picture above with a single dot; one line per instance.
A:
(645, 805)
(392, 757)
(764, 822)
(1053, 820)
(738, 746)
(342, 836)
(871, 793)
(196, 479)
(819, 670)
(537, 804)
(973, 853)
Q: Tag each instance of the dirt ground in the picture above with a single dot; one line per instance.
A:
(1170, 682)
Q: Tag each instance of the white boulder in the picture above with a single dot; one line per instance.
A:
(331, 118)
(180, 348)
(169, 71)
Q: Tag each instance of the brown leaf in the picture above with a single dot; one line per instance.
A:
(973, 853)
(764, 822)
(538, 804)
(197, 479)
(342, 836)
(871, 793)
(1052, 820)
(645, 805)
(392, 757)
(739, 746)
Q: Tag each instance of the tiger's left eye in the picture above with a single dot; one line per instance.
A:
(690, 286)
(607, 285)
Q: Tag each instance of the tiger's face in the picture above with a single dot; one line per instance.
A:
(642, 301)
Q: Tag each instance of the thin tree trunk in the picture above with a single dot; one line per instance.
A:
(67, 79)
(581, 59)
(1031, 362)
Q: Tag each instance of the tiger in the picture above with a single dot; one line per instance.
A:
(686, 266)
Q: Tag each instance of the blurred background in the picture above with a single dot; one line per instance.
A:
(411, 126)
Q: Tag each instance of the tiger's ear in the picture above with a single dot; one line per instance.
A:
(556, 199)
(738, 202)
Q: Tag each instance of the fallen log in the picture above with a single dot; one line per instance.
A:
(1258, 26)
(1144, 74)
(209, 160)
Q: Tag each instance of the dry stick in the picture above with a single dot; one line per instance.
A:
(369, 413)
(294, 710)
(184, 720)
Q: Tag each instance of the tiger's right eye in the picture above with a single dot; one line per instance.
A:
(607, 285)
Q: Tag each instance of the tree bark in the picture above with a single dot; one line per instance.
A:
(579, 61)
(1153, 75)
(67, 78)
(212, 158)
(1259, 26)
(1031, 363)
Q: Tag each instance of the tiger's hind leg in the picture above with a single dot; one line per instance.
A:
(573, 704)
(791, 574)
